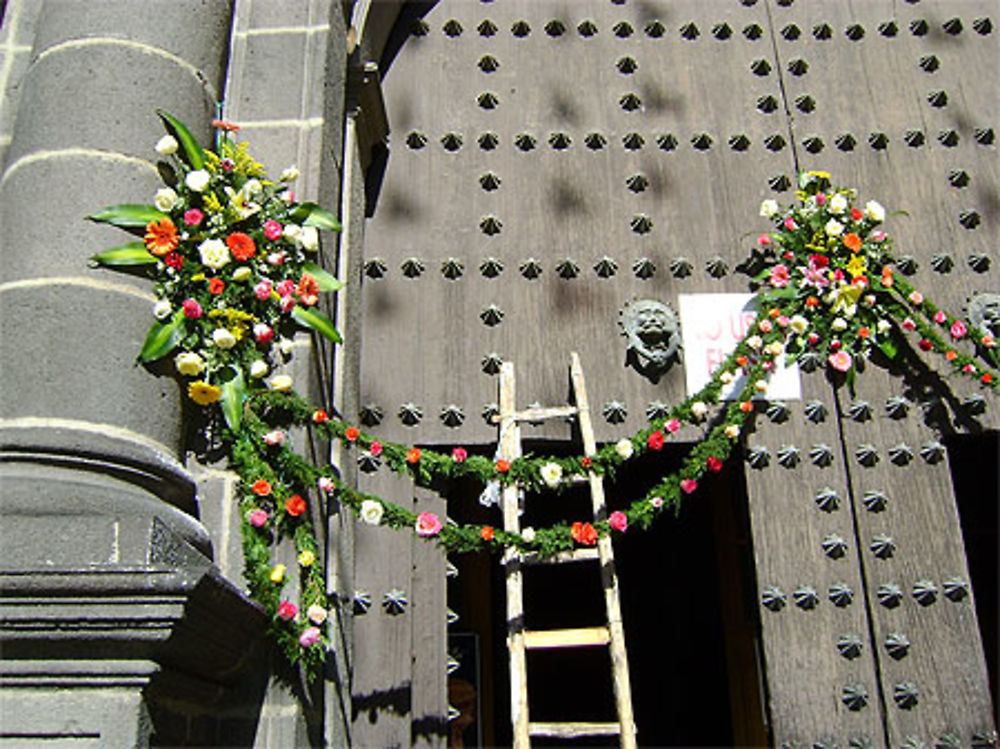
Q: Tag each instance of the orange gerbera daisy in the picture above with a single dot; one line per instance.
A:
(161, 237)
(241, 245)
(308, 290)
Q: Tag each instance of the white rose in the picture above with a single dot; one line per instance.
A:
(624, 448)
(197, 180)
(214, 253)
(292, 232)
(698, 410)
(316, 613)
(874, 211)
(769, 208)
(222, 338)
(309, 238)
(371, 512)
(755, 342)
(761, 386)
(551, 474)
(290, 173)
(528, 534)
(161, 310)
(837, 204)
(165, 199)
(281, 382)
(189, 363)
(258, 369)
(883, 326)
(166, 145)
(732, 431)
(252, 187)
(242, 273)
(834, 228)
(775, 348)
(798, 324)
(839, 324)
(726, 377)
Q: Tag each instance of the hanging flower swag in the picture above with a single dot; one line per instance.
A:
(231, 256)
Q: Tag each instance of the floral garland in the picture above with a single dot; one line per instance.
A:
(236, 280)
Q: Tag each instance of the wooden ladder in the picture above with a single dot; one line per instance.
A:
(520, 640)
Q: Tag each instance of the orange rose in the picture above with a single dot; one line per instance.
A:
(503, 466)
(261, 488)
(295, 505)
(413, 456)
(486, 533)
(319, 416)
(308, 290)
(852, 242)
(583, 533)
(351, 434)
(161, 237)
(216, 285)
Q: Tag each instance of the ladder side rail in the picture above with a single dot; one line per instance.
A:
(619, 657)
(510, 448)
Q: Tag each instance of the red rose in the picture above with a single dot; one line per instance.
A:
(241, 245)
(583, 533)
(319, 416)
(295, 505)
(688, 486)
(261, 488)
(655, 440)
(486, 533)
(586, 461)
(459, 455)
(174, 260)
(986, 378)
(216, 285)
(925, 345)
(746, 406)
(351, 434)
(856, 215)
(713, 464)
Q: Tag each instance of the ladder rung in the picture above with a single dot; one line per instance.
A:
(538, 414)
(563, 557)
(572, 730)
(566, 638)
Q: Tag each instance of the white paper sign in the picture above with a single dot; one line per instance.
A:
(711, 326)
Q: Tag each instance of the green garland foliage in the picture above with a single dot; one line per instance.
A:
(230, 254)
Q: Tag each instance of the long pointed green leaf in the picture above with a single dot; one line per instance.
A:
(311, 214)
(133, 253)
(233, 395)
(191, 151)
(316, 320)
(163, 337)
(128, 215)
(327, 281)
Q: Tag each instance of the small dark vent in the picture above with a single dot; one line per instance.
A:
(487, 28)
(791, 32)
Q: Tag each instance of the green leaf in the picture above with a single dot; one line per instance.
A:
(128, 215)
(316, 320)
(163, 337)
(310, 214)
(191, 151)
(889, 347)
(327, 281)
(233, 395)
(133, 253)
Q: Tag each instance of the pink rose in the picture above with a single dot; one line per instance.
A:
(841, 361)
(618, 521)
(765, 326)
(274, 437)
(968, 369)
(193, 217)
(276, 258)
(375, 448)
(877, 236)
(916, 297)
(287, 303)
(309, 637)
(790, 224)
(958, 329)
(673, 426)
(287, 610)
(272, 230)
(191, 309)
(326, 484)
(764, 240)
(428, 524)
(286, 287)
(656, 502)
(688, 486)
(821, 198)
(263, 333)
(459, 454)
(940, 317)
(257, 518)
(262, 290)
(783, 321)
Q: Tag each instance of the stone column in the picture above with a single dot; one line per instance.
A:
(101, 554)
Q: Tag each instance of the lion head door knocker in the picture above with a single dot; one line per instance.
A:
(652, 334)
(983, 311)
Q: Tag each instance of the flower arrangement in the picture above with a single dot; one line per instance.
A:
(231, 255)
